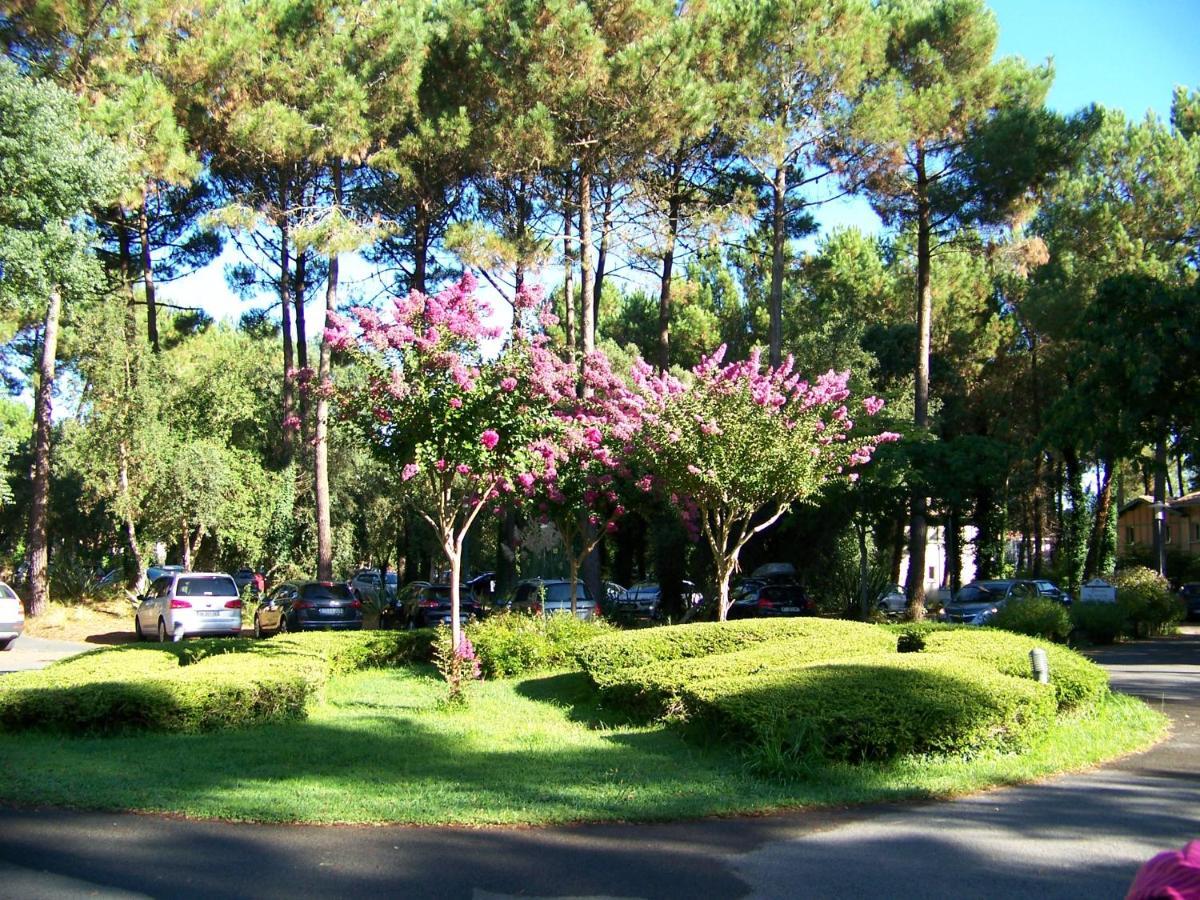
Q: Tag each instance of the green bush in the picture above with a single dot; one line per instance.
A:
(1101, 623)
(511, 644)
(1079, 684)
(195, 686)
(1036, 617)
(605, 657)
(1146, 598)
(871, 708)
(654, 689)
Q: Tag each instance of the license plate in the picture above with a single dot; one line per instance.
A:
(789, 609)
(330, 612)
(208, 612)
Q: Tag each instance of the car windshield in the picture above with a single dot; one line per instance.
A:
(326, 592)
(206, 586)
(975, 593)
(646, 587)
(561, 593)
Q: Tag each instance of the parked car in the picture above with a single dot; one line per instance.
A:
(308, 606)
(552, 595)
(1052, 591)
(182, 604)
(421, 604)
(770, 599)
(365, 582)
(644, 600)
(12, 616)
(243, 577)
(156, 572)
(976, 602)
(893, 601)
(1190, 595)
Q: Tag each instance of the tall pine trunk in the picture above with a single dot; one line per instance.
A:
(587, 310)
(664, 291)
(778, 243)
(420, 249)
(285, 304)
(1099, 536)
(148, 274)
(39, 474)
(602, 255)
(321, 437)
(568, 272)
(917, 521)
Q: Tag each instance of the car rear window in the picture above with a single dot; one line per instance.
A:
(974, 593)
(787, 595)
(8, 593)
(206, 586)
(326, 592)
(561, 593)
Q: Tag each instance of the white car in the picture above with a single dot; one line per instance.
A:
(12, 616)
(182, 604)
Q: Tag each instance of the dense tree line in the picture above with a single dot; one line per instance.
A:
(1029, 311)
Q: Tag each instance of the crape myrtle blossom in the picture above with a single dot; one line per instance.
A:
(739, 443)
(437, 410)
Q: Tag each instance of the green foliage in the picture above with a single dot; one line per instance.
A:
(1079, 684)
(655, 689)
(1150, 607)
(1037, 617)
(873, 708)
(512, 644)
(195, 686)
(1100, 623)
(603, 659)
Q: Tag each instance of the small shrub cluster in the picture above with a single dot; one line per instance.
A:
(1079, 684)
(1100, 623)
(1037, 617)
(197, 685)
(1147, 601)
(604, 658)
(515, 643)
(874, 708)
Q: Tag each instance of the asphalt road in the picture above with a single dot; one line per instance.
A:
(27, 653)
(1073, 836)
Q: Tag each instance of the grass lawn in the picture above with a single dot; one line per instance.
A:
(533, 750)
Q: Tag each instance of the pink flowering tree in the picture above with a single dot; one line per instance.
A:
(434, 408)
(737, 445)
(578, 488)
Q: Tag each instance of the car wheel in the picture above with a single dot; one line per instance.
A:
(258, 632)
(6, 643)
(283, 625)
(162, 631)
(137, 629)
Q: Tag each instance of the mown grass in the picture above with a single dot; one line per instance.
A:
(536, 750)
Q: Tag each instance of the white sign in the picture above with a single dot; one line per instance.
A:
(1098, 591)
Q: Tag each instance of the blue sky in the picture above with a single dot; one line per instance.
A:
(1118, 53)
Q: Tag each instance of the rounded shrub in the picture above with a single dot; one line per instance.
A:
(1036, 617)
(1079, 684)
(1100, 623)
(604, 658)
(872, 708)
(1146, 598)
(517, 643)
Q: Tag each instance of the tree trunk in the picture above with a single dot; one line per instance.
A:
(587, 318)
(39, 474)
(185, 546)
(148, 274)
(285, 304)
(454, 554)
(1095, 554)
(568, 272)
(299, 289)
(954, 549)
(664, 291)
(602, 256)
(778, 243)
(321, 437)
(131, 542)
(1076, 520)
(420, 249)
(917, 524)
(864, 567)
(1160, 499)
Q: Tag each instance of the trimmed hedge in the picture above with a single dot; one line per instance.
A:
(654, 689)
(604, 658)
(510, 644)
(1079, 684)
(195, 686)
(871, 708)
(1036, 617)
